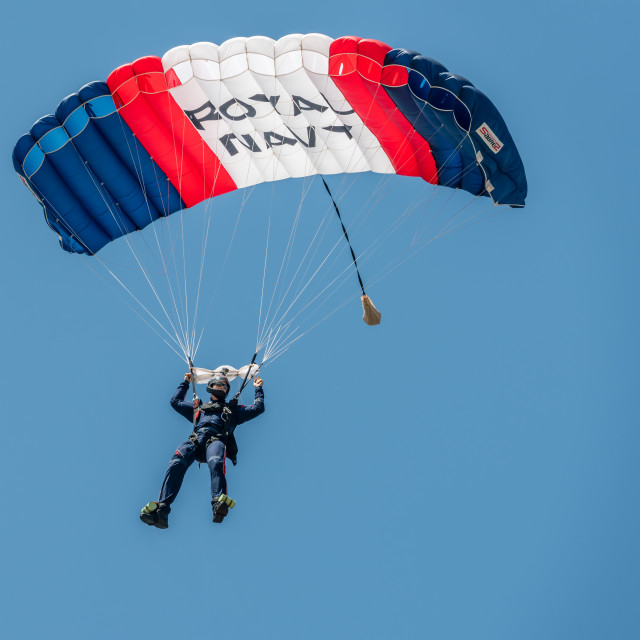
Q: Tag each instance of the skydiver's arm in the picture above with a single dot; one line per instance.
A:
(243, 414)
(178, 402)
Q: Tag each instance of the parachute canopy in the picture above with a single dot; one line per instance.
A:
(163, 134)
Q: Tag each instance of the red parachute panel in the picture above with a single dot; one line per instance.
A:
(141, 94)
(362, 96)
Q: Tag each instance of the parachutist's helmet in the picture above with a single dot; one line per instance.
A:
(219, 380)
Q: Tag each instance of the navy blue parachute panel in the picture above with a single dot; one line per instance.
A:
(117, 186)
(98, 103)
(429, 102)
(469, 139)
(63, 211)
(452, 114)
(500, 158)
(424, 120)
(94, 172)
(76, 173)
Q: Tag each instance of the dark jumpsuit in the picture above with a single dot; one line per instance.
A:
(207, 425)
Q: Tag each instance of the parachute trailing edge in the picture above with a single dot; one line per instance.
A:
(163, 134)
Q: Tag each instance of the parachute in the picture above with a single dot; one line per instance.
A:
(164, 134)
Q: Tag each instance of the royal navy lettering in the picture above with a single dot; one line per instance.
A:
(236, 110)
(274, 139)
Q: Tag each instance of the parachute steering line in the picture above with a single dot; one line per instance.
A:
(369, 313)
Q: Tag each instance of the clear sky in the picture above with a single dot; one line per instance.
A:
(467, 470)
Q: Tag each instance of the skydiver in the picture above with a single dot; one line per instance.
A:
(212, 441)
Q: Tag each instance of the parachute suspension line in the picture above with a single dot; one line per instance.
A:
(189, 328)
(286, 254)
(300, 264)
(388, 231)
(284, 341)
(206, 221)
(135, 255)
(180, 162)
(329, 285)
(167, 223)
(379, 192)
(88, 266)
(276, 337)
(345, 177)
(246, 194)
(267, 324)
(264, 277)
(383, 183)
(269, 329)
(259, 330)
(448, 223)
(286, 259)
(370, 250)
(409, 254)
(184, 252)
(208, 215)
(322, 227)
(279, 335)
(437, 213)
(408, 210)
(474, 219)
(422, 217)
(376, 195)
(264, 269)
(104, 266)
(283, 327)
(307, 184)
(446, 230)
(326, 287)
(276, 353)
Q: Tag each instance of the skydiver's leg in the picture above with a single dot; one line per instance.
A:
(181, 460)
(216, 463)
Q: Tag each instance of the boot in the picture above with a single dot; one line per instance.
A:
(221, 506)
(156, 514)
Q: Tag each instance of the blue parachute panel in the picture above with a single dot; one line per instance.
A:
(428, 104)
(471, 144)
(100, 182)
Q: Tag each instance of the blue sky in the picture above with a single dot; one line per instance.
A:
(466, 470)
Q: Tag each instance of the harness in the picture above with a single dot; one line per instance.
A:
(226, 437)
(226, 411)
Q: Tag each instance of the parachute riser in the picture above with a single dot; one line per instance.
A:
(195, 395)
(246, 376)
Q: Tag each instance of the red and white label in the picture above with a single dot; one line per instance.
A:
(490, 138)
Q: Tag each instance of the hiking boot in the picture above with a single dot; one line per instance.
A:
(221, 506)
(155, 514)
